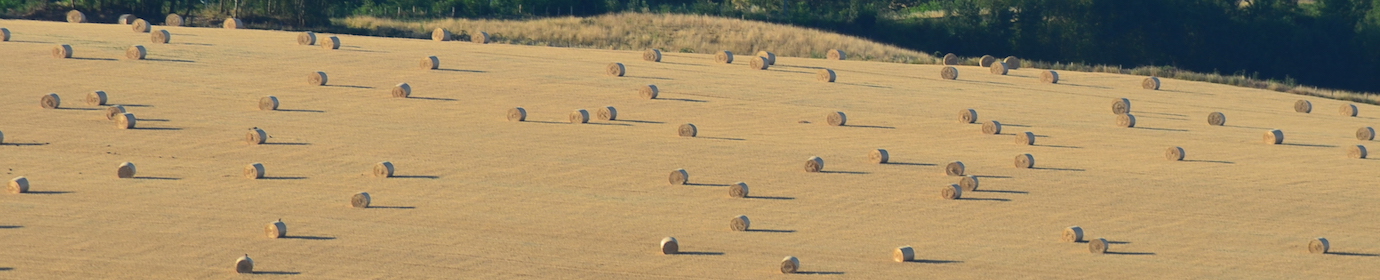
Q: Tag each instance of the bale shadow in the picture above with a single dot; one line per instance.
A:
(170, 60)
(349, 86)
(284, 178)
(1131, 253)
(1002, 191)
(683, 99)
(790, 71)
(277, 272)
(652, 78)
(1014, 125)
(304, 111)
(156, 178)
(863, 85)
(933, 261)
(909, 163)
(1165, 114)
(415, 177)
(615, 124)
(460, 70)
(392, 207)
(78, 109)
(31, 42)
(984, 199)
(150, 120)
(770, 197)
(192, 44)
(307, 237)
(820, 272)
(1309, 145)
(1211, 161)
(1057, 146)
(992, 176)
(10, 227)
(677, 63)
(701, 253)
(722, 138)
(772, 230)
(48, 192)
(157, 128)
(870, 126)
(1118, 242)
(23, 144)
(1161, 129)
(1078, 85)
(1242, 126)
(286, 144)
(133, 105)
(844, 172)
(796, 66)
(1353, 254)
(343, 48)
(93, 58)
(547, 122)
(432, 98)
(6, 268)
(707, 185)
(638, 121)
(1059, 169)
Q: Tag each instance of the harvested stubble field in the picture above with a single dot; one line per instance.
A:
(477, 196)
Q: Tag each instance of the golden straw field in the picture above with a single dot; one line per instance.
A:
(475, 196)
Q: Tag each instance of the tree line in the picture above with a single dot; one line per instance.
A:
(1330, 43)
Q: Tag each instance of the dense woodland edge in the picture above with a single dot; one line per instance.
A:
(1273, 44)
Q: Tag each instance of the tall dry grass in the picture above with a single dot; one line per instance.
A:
(668, 32)
(708, 34)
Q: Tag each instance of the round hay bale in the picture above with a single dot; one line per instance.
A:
(1049, 77)
(950, 59)
(96, 98)
(739, 223)
(244, 264)
(402, 90)
(160, 37)
(330, 43)
(790, 265)
(62, 51)
(1072, 234)
(517, 114)
(317, 78)
(903, 254)
(679, 177)
(579, 116)
(1319, 246)
(952, 191)
(112, 111)
(141, 26)
(1012, 62)
(1126, 120)
(616, 69)
(254, 171)
(1356, 152)
(1274, 137)
(2, 137)
(18, 185)
(1121, 106)
(759, 63)
(998, 68)
(256, 136)
(991, 127)
(688, 130)
(125, 19)
(987, 60)
(1025, 161)
(361, 200)
(653, 55)
(879, 156)
(1217, 119)
(232, 23)
(50, 101)
(1097, 246)
(723, 57)
(431, 63)
(771, 57)
(826, 75)
(948, 73)
(480, 37)
(608, 113)
(125, 171)
(1174, 154)
(383, 169)
(172, 20)
(136, 52)
(967, 116)
(306, 38)
(1151, 83)
(75, 16)
(648, 92)
(669, 246)
(738, 190)
(1303, 106)
(125, 121)
(276, 229)
(1025, 138)
(4, 34)
(835, 54)
(440, 34)
(836, 119)
(1348, 110)
(1365, 134)
(268, 103)
(955, 168)
(814, 164)
(969, 183)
